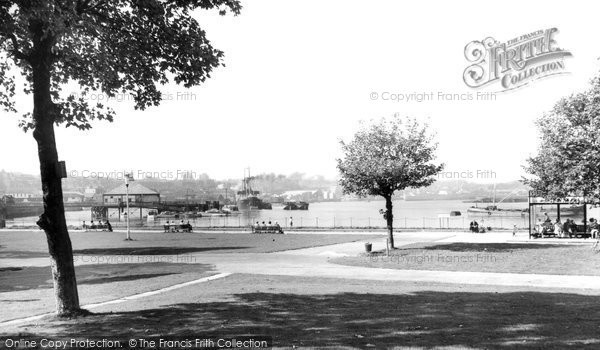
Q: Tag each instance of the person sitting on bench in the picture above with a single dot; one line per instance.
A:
(567, 228)
(540, 227)
(574, 229)
(187, 227)
(558, 228)
(278, 228)
(474, 226)
(594, 227)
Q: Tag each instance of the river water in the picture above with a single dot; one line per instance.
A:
(407, 214)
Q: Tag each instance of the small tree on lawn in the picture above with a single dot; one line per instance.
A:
(108, 47)
(384, 157)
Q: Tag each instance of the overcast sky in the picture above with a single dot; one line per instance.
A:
(299, 77)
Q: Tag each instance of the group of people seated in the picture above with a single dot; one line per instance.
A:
(556, 228)
(474, 227)
(177, 227)
(98, 226)
(565, 229)
(267, 227)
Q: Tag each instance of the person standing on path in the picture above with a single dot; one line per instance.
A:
(514, 230)
(291, 222)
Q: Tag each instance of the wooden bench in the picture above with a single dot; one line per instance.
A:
(101, 228)
(580, 232)
(178, 228)
(267, 229)
(548, 231)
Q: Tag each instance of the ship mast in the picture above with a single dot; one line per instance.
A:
(247, 187)
(244, 188)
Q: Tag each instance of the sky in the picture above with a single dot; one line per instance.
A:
(301, 75)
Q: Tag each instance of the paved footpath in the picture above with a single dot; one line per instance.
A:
(313, 262)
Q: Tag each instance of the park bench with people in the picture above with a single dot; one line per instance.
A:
(547, 229)
(267, 229)
(178, 228)
(106, 227)
(476, 228)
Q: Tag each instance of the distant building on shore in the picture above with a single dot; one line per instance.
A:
(137, 194)
(72, 197)
(141, 201)
(25, 197)
(318, 195)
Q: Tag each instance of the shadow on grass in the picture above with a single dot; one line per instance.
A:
(486, 247)
(7, 269)
(150, 250)
(428, 319)
(23, 254)
(101, 280)
(25, 278)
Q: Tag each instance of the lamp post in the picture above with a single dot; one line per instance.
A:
(128, 238)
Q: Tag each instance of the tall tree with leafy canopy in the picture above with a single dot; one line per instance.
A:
(387, 156)
(568, 156)
(109, 47)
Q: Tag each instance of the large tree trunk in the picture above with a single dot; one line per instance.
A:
(52, 221)
(390, 219)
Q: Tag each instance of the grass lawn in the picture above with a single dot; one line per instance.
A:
(113, 268)
(31, 244)
(34, 277)
(306, 312)
(27, 291)
(486, 257)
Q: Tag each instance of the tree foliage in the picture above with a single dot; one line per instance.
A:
(568, 156)
(388, 156)
(104, 47)
(391, 155)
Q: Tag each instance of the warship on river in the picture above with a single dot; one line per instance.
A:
(248, 198)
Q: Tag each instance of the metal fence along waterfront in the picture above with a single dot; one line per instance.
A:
(458, 223)
(357, 214)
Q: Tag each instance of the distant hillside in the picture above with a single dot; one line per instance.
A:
(464, 190)
(19, 183)
(200, 188)
(205, 188)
